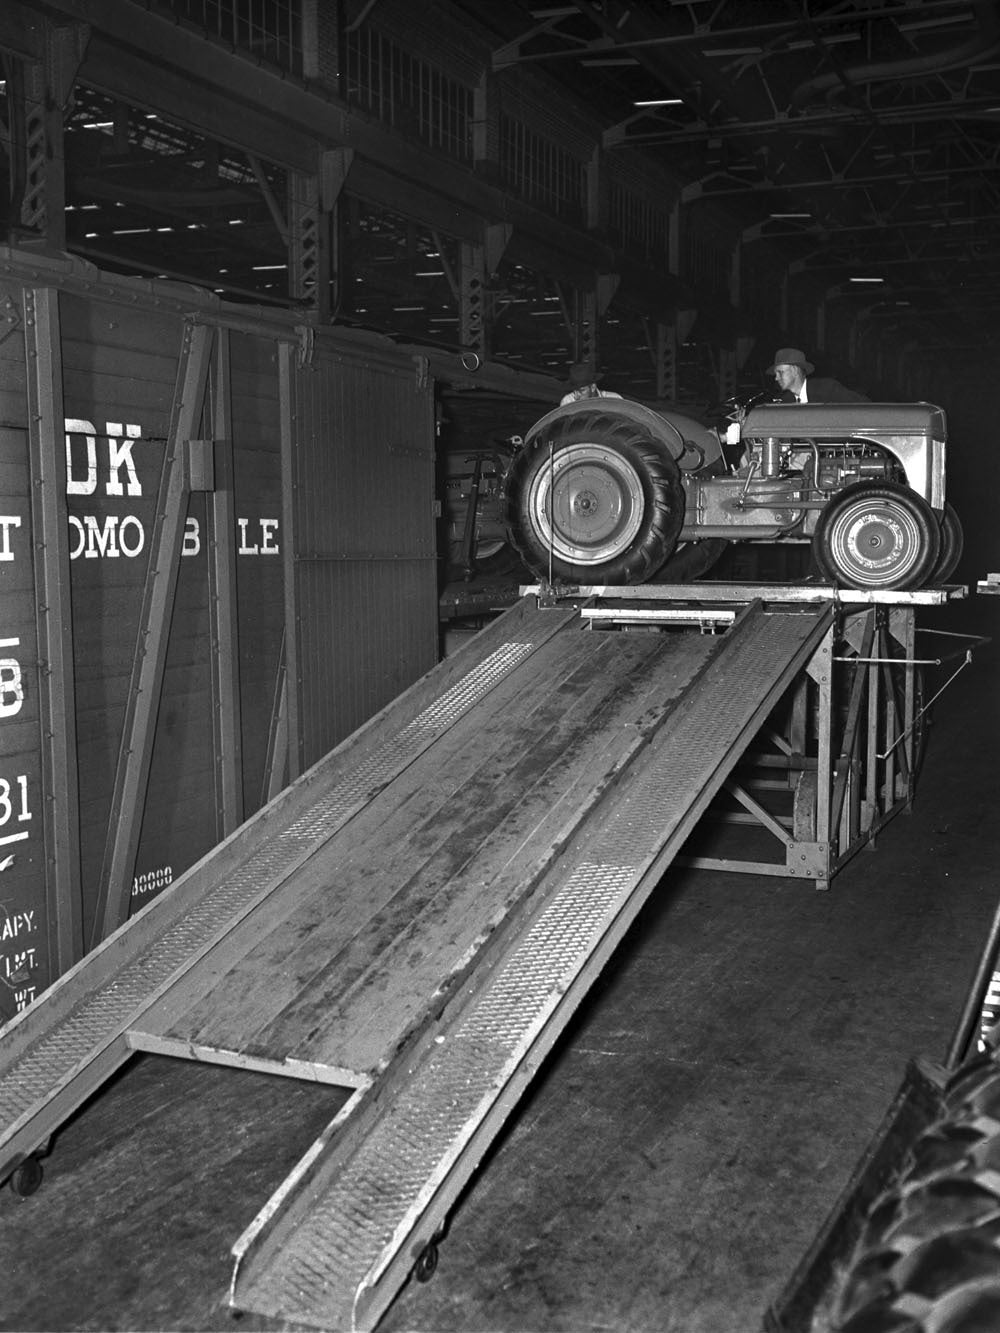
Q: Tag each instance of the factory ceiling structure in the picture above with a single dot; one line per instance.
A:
(861, 137)
(655, 189)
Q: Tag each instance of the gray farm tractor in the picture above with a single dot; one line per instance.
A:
(606, 490)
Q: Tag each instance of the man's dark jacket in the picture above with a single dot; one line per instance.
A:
(822, 390)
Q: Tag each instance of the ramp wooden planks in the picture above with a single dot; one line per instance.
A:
(417, 918)
(388, 912)
(63, 1047)
(678, 712)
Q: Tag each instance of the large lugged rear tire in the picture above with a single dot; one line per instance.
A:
(952, 545)
(877, 535)
(596, 499)
(928, 1259)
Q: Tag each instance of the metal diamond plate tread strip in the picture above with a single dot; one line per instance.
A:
(103, 1014)
(353, 1228)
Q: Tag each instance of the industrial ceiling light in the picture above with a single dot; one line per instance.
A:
(660, 101)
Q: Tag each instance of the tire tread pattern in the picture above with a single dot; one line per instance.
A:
(952, 545)
(662, 490)
(928, 1257)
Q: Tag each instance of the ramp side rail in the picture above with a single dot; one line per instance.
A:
(71, 1039)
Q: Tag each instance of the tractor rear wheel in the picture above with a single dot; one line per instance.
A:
(928, 1258)
(596, 499)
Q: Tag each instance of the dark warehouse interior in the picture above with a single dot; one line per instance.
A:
(497, 799)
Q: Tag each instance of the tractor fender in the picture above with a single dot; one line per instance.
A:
(692, 445)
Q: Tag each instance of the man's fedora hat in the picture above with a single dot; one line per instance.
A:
(791, 356)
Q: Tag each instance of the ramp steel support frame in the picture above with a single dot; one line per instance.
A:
(839, 759)
(851, 770)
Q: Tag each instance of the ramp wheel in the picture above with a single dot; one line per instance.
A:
(26, 1177)
(927, 1259)
(877, 535)
(427, 1261)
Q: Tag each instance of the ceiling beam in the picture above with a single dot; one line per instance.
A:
(984, 109)
(222, 94)
(513, 53)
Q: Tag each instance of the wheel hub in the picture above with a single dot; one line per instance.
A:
(877, 547)
(588, 504)
(877, 539)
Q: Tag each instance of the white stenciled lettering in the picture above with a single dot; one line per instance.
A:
(110, 536)
(152, 880)
(17, 966)
(131, 536)
(76, 530)
(268, 526)
(11, 683)
(81, 471)
(264, 543)
(22, 998)
(119, 456)
(7, 521)
(244, 547)
(192, 537)
(101, 536)
(16, 924)
(85, 485)
(14, 806)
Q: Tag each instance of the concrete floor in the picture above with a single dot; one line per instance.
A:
(676, 1156)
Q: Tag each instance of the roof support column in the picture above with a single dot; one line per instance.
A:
(665, 362)
(40, 177)
(473, 302)
(308, 252)
(585, 332)
(334, 167)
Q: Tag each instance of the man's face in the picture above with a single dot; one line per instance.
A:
(789, 377)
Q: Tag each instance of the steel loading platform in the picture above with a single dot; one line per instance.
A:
(417, 917)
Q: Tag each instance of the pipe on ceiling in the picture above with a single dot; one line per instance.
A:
(985, 43)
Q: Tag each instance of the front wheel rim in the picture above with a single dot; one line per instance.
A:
(876, 544)
(587, 504)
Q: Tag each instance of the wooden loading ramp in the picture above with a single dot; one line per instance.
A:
(417, 918)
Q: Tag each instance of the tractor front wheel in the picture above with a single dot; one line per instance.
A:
(877, 536)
